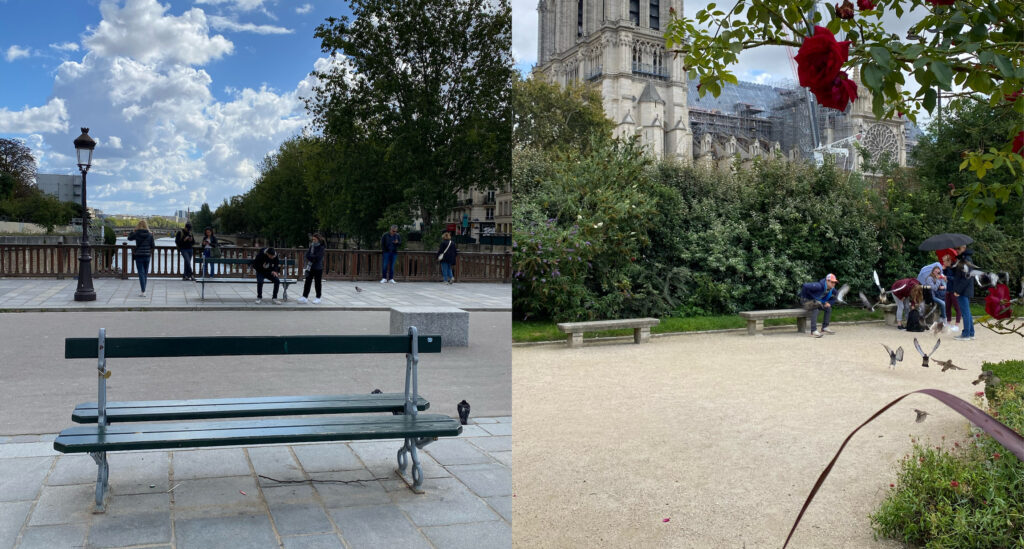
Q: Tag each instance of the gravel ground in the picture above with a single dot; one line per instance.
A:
(723, 434)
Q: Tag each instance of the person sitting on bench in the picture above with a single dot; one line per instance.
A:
(815, 296)
(267, 268)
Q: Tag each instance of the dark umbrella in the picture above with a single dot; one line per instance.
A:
(945, 240)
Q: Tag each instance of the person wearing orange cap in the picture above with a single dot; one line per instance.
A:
(819, 296)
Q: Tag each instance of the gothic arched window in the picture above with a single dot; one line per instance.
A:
(579, 18)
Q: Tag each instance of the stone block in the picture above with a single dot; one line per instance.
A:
(451, 323)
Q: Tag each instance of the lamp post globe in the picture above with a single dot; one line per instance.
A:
(84, 146)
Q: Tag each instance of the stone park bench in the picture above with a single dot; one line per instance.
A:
(755, 319)
(641, 328)
(245, 263)
(179, 428)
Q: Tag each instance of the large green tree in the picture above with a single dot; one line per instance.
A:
(960, 46)
(550, 117)
(418, 109)
(17, 161)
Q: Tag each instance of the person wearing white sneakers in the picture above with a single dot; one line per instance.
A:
(819, 296)
(314, 268)
(267, 268)
(389, 243)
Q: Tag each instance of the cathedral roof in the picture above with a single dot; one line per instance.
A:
(744, 98)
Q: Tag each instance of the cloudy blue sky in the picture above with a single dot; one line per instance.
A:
(184, 97)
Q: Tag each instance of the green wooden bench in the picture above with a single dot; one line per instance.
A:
(331, 421)
(203, 280)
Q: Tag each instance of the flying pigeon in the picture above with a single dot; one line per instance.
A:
(924, 362)
(864, 302)
(936, 327)
(894, 356)
(948, 365)
(841, 294)
(463, 408)
(358, 289)
(921, 414)
(988, 377)
(881, 290)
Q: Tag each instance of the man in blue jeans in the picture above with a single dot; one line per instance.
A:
(389, 243)
(961, 287)
(817, 296)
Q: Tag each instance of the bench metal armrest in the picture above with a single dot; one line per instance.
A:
(412, 360)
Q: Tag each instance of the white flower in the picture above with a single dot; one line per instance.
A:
(598, 226)
(579, 217)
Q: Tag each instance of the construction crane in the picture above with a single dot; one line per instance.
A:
(836, 149)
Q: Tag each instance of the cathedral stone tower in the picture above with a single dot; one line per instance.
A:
(618, 47)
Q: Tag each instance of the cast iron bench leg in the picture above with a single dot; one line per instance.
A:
(101, 480)
(417, 470)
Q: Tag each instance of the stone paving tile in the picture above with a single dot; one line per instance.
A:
(493, 444)
(501, 504)
(12, 517)
(498, 429)
(504, 419)
(482, 420)
(135, 471)
(129, 503)
(377, 526)
(28, 449)
(327, 457)
(51, 537)
(505, 458)
(64, 505)
(300, 519)
(240, 532)
(456, 452)
(350, 494)
(20, 478)
(450, 511)
(469, 431)
(73, 469)
(217, 496)
(493, 535)
(275, 462)
(319, 541)
(289, 493)
(134, 529)
(220, 462)
(485, 479)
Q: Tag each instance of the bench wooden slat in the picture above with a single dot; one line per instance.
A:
(137, 347)
(93, 438)
(165, 410)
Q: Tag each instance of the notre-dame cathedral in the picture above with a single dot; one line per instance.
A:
(618, 47)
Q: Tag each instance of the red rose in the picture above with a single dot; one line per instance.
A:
(820, 58)
(954, 484)
(845, 11)
(1013, 96)
(838, 94)
(941, 2)
(1018, 144)
(865, 4)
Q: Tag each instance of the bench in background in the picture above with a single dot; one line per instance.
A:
(641, 328)
(755, 319)
(332, 421)
(246, 264)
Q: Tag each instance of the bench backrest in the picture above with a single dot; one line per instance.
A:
(130, 347)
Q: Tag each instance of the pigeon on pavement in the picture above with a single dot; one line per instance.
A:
(358, 289)
(894, 356)
(921, 414)
(463, 408)
(924, 362)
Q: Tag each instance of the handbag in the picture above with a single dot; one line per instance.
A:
(440, 256)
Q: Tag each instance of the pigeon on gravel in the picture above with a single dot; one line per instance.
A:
(463, 408)
(358, 289)
(924, 362)
(921, 414)
(948, 365)
(894, 356)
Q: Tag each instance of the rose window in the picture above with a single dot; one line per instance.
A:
(881, 140)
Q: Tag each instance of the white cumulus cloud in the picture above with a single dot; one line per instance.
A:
(51, 117)
(241, 5)
(305, 8)
(17, 52)
(142, 31)
(66, 46)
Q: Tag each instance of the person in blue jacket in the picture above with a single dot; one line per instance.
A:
(817, 296)
(961, 287)
(314, 267)
(389, 243)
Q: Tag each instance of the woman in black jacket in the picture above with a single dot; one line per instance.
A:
(446, 255)
(144, 244)
(314, 267)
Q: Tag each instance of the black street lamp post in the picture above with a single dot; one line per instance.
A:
(84, 146)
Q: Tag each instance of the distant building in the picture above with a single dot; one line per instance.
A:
(181, 215)
(67, 188)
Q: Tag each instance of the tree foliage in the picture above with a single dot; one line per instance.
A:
(975, 45)
(550, 117)
(17, 161)
(203, 219)
(418, 110)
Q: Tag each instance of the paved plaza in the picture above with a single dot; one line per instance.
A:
(345, 495)
(334, 495)
(49, 294)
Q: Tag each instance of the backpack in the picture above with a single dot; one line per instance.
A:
(914, 321)
(179, 239)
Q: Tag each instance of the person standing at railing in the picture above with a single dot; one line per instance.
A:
(185, 243)
(209, 249)
(144, 244)
(389, 243)
(314, 267)
(446, 255)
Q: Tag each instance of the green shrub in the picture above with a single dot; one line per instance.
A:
(109, 237)
(968, 494)
(1009, 372)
